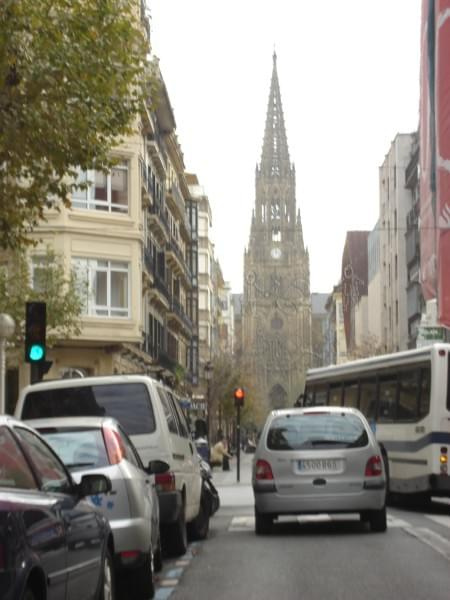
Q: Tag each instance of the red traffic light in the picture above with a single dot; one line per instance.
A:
(239, 396)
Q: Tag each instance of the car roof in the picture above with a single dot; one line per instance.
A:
(70, 422)
(315, 410)
(9, 421)
(85, 381)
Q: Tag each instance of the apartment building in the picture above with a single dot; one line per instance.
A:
(130, 237)
(395, 205)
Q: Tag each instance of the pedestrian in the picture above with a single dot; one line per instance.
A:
(220, 456)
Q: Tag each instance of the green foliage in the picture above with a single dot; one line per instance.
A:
(71, 84)
(53, 286)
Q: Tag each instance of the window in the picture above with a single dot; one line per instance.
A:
(368, 398)
(351, 395)
(107, 286)
(181, 420)
(129, 403)
(317, 431)
(425, 375)
(50, 470)
(14, 469)
(408, 383)
(39, 273)
(335, 398)
(105, 191)
(387, 398)
(78, 448)
(170, 417)
(276, 234)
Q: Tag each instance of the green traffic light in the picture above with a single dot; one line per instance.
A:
(36, 352)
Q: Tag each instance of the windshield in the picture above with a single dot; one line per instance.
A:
(316, 431)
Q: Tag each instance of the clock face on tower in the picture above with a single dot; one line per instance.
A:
(275, 253)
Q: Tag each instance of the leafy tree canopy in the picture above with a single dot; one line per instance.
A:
(71, 83)
(50, 284)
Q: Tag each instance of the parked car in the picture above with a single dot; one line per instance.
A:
(53, 543)
(314, 460)
(99, 445)
(150, 414)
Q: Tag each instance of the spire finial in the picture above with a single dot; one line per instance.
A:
(274, 56)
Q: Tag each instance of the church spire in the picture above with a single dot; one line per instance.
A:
(275, 153)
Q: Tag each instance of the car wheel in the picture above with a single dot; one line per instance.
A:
(378, 520)
(141, 580)
(107, 589)
(263, 523)
(29, 594)
(199, 527)
(174, 538)
(157, 557)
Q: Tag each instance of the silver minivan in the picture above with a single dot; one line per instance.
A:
(151, 415)
(318, 460)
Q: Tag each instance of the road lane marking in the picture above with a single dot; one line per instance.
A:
(431, 538)
(440, 519)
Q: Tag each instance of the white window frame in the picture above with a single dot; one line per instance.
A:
(85, 198)
(87, 269)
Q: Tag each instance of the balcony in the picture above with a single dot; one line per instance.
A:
(149, 263)
(176, 259)
(156, 148)
(177, 316)
(177, 203)
(159, 293)
(157, 222)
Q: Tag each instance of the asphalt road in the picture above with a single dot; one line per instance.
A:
(317, 557)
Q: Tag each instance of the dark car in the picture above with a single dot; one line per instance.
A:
(53, 543)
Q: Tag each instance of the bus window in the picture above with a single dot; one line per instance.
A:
(321, 395)
(351, 394)
(335, 394)
(309, 397)
(368, 398)
(424, 406)
(408, 396)
(387, 398)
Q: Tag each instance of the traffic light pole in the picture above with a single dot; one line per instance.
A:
(238, 443)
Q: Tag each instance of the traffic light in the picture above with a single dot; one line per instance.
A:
(239, 396)
(35, 326)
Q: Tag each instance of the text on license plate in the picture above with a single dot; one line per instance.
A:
(319, 464)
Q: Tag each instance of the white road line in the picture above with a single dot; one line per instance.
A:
(440, 519)
(431, 538)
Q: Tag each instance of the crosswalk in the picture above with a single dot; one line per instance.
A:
(426, 535)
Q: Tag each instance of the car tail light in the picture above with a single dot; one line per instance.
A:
(443, 460)
(114, 446)
(129, 556)
(165, 482)
(374, 466)
(263, 470)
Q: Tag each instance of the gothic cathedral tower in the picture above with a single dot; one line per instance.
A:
(277, 302)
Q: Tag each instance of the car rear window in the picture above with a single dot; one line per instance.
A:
(316, 431)
(77, 448)
(129, 403)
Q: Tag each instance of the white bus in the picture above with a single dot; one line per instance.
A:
(406, 396)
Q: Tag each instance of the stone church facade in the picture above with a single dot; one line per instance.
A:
(276, 307)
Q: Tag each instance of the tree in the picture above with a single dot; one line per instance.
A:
(71, 84)
(50, 284)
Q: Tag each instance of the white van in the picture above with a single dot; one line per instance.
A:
(150, 414)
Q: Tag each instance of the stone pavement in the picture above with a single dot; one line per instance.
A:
(230, 491)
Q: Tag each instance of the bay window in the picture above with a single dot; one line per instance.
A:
(105, 191)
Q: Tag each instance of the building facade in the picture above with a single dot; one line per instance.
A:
(130, 238)
(277, 305)
(395, 205)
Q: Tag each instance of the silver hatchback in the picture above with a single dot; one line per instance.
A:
(318, 460)
(99, 445)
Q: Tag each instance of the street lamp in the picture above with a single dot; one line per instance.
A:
(7, 327)
(208, 371)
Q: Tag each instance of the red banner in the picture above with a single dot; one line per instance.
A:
(442, 87)
(427, 149)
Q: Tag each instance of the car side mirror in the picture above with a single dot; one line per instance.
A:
(156, 467)
(93, 484)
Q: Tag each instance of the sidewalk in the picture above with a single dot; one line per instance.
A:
(231, 492)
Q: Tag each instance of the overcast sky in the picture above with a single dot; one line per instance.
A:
(349, 79)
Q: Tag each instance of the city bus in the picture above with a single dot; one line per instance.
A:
(406, 398)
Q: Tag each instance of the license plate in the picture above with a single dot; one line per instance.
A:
(319, 465)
